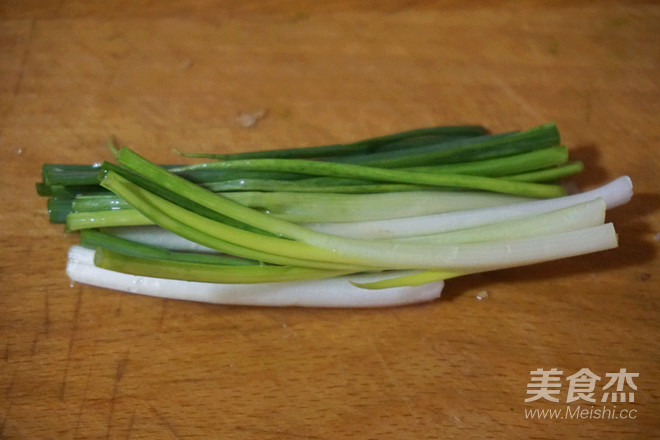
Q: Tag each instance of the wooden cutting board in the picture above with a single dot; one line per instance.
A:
(81, 362)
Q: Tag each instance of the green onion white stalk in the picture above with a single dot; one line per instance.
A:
(615, 193)
(573, 218)
(330, 292)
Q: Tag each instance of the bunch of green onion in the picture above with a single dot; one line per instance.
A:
(379, 222)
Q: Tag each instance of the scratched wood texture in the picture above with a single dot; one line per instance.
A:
(79, 362)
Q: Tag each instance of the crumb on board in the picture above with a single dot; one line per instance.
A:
(186, 64)
(644, 276)
(482, 294)
(250, 119)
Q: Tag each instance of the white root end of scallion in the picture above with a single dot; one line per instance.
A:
(332, 292)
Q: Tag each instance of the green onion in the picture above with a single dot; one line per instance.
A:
(310, 207)
(94, 239)
(394, 142)
(205, 272)
(549, 173)
(103, 219)
(324, 248)
(466, 150)
(615, 193)
(378, 222)
(217, 235)
(330, 169)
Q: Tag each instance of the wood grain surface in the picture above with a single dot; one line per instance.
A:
(84, 363)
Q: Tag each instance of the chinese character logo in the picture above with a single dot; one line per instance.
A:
(581, 385)
(620, 379)
(546, 385)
